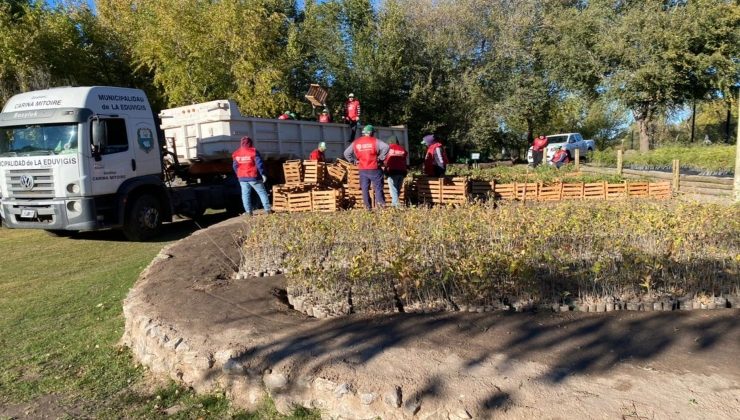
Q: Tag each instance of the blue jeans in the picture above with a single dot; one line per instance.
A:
(247, 195)
(375, 177)
(395, 183)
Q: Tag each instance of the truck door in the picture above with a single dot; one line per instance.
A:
(112, 155)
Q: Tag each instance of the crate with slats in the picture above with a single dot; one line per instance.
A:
(482, 189)
(428, 190)
(661, 190)
(293, 171)
(299, 201)
(526, 190)
(638, 189)
(504, 191)
(313, 171)
(453, 190)
(279, 199)
(550, 192)
(572, 191)
(335, 174)
(326, 200)
(614, 191)
(594, 191)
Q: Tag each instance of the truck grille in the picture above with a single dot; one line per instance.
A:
(42, 182)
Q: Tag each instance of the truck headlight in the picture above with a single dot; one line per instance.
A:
(73, 188)
(74, 206)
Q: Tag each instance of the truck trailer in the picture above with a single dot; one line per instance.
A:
(89, 158)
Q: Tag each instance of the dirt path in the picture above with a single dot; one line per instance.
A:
(572, 365)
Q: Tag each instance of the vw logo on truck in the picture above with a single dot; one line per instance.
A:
(27, 182)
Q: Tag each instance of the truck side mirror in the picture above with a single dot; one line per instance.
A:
(99, 137)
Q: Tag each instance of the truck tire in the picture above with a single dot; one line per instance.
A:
(143, 219)
(58, 233)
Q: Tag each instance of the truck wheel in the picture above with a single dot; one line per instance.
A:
(60, 233)
(144, 219)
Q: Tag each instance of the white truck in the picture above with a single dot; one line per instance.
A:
(89, 158)
(570, 142)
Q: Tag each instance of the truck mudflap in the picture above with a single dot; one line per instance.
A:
(74, 214)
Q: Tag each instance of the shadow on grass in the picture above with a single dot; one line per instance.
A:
(176, 230)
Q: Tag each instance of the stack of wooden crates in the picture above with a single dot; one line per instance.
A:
(309, 186)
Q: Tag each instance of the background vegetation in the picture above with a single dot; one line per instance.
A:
(483, 74)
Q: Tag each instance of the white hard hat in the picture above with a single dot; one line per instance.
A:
(351, 95)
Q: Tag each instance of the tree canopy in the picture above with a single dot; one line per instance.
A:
(483, 74)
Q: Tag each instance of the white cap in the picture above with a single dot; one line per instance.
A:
(351, 95)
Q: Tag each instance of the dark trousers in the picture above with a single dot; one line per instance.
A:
(439, 171)
(537, 157)
(352, 130)
(375, 177)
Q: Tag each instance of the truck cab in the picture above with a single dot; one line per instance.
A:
(81, 158)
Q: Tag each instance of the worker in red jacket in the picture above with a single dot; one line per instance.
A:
(538, 148)
(318, 153)
(395, 168)
(366, 152)
(560, 157)
(250, 170)
(352, 114)
(284, 116)
(324, 117)
(435, 160)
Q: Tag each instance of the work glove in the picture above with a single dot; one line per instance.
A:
(264, 179)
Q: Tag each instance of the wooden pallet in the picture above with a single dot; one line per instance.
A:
(293, 171)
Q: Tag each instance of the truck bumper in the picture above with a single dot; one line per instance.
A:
(74, 214)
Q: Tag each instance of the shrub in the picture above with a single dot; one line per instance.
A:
(481, 255)
(712, 160)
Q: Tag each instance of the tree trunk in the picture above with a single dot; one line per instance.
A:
(644, 122)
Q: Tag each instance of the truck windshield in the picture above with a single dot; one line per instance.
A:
(557, 139)
(34, 140)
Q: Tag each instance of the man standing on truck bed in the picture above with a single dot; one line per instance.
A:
(352, 114)
(366, 152)
(251, 173)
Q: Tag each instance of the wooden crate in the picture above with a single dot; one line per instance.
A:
(638, 189)
(660, 190)
(279, 199)
(526, 190)
(550, 192)
(504, 191)
(616, 191)
(293, 171)
(326, 200)
(314, 171)
(594, 191)
(316, 95)
(572, 191)
(299, 201)
(429, 190)
(335, 173)
(453, 190)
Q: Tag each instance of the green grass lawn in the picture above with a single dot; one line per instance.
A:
(60, 323)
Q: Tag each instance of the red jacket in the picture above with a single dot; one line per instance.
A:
(317, 155)
(365, 149)
(284, 117)
(395, 160)
(561, 156)
(429, 160)
(539, 144)
(352, 110)
(245, 163)
(324, 118)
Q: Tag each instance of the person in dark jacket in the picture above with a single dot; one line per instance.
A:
(395, 168)
(250, 170)
(366, 152)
